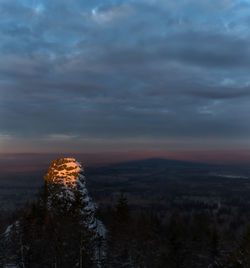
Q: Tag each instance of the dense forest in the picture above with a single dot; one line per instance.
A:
(134, 239)
(158, 215)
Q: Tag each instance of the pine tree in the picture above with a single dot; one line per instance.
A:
(176, 251)
(120, 240)
(240, 257)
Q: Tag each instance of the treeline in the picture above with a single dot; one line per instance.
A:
(42, 237)
(143, 239)
(135, 239)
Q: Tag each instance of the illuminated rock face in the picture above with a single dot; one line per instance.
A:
(67, 192)
(65, 197)
(64, 171)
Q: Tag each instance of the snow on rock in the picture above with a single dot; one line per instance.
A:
(66, 182)
(67, 193)
(64, 171)
(10, 228)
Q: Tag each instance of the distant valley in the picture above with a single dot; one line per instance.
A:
(145, 182)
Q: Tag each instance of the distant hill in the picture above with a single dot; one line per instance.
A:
(160, 162)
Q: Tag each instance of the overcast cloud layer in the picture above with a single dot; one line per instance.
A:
(115, 75)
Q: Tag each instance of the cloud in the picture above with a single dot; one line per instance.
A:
(105, 14)
(124, 69)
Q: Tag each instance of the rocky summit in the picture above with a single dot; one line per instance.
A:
(64, 171)
(62, 221)
(67, 190)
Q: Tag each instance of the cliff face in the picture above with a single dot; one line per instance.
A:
(64, 171)
(61, 224)
(67, 192)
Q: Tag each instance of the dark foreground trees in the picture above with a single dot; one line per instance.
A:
(48, 238)
(199, 239)
(136, 239)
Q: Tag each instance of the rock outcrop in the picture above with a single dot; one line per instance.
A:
(63, 217)
(67, 191)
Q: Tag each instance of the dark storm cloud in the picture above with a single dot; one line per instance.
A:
(137, 69)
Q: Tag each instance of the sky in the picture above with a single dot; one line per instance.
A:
(137, 77)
